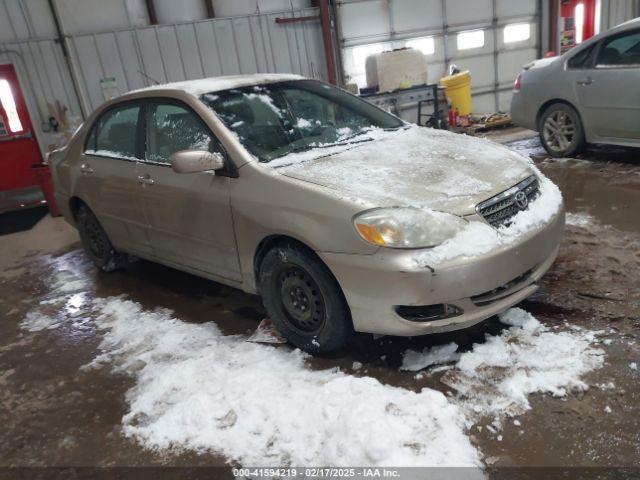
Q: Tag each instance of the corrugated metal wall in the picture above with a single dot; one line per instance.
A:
(615, 12)
(168, 53)
(134, 56)
(493, 66)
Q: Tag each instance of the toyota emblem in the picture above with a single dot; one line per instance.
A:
(521, 200)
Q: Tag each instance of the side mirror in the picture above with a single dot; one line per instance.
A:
(193, 161)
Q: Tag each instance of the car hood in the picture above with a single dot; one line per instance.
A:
(415, 166)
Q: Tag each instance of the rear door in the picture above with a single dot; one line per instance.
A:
(18, 146)
(189, 214)
(108, 176)
(609, 91)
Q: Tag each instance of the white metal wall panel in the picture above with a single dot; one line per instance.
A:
(463, 12)
(165, 53)
(364, 18)
(614, 12)
(493, 66)
(169, 53)
(511, 8)
(417, 15)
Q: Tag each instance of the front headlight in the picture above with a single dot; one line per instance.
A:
(407, 227)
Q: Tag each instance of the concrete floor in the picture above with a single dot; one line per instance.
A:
(53, 413)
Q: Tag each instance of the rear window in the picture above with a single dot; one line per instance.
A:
(115, 132)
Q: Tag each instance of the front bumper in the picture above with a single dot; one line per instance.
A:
(480, 286)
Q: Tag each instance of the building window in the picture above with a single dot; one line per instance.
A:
(426, 45)
(470, 39)
(9, 105)
(517, 32)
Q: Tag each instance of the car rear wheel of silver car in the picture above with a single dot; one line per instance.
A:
(96, 243)
(561, 131)
(304, 300)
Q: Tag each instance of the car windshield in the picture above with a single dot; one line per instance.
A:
(277, 119)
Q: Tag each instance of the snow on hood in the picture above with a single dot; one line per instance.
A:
(415, 166)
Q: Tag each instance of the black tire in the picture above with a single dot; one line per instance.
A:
(561, 131)
(96, 243)
(291, 279)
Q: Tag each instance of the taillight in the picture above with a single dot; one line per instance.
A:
(516, 84)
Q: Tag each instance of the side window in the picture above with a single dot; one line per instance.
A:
(171, 128)
(115, 133)
(582, 59)
(621, 51)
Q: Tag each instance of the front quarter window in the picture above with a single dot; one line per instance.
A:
(274, 120)
(582, 58)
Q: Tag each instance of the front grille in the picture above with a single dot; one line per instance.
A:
(499, 210)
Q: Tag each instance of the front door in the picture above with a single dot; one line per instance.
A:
(18, 145)
(609, 92)
(189, 214)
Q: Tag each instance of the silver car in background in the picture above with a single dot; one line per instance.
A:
(591, 94)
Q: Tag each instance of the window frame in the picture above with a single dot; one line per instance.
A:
(229, 170)
(611, 38)
(94, 131)
(589, 61)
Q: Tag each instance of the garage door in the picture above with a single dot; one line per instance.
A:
(491, 38)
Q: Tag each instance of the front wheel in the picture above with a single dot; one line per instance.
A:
(304, 301)
(561, 131)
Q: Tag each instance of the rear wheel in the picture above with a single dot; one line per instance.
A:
(96, 243)
(561, 131)
(304, 300)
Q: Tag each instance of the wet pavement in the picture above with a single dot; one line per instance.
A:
(54, 412)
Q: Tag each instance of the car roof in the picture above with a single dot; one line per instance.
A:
(215, 84)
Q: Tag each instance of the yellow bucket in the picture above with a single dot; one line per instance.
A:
(458, 91)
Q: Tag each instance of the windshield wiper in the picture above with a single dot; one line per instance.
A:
(305, 148)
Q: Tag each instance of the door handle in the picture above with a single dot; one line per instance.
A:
(145, 179)
(586, 81)
(86, 169)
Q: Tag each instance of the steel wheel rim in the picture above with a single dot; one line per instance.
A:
(299, 298)
(559, 130)
(95, 239)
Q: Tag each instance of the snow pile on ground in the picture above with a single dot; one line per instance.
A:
(65, 281)
(258, 405)
(35, 321)
(497, 376)
(579, 219)
(413, 361)
(528, 147)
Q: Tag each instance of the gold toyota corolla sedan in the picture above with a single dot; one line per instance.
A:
(339, 215)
